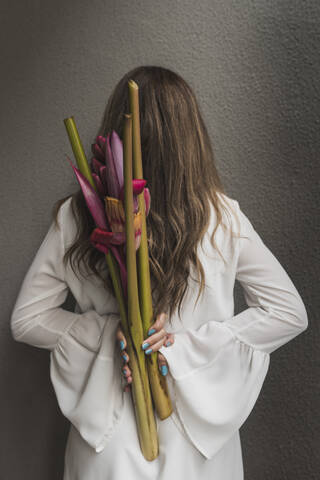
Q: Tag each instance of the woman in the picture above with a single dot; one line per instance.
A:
(200, 242)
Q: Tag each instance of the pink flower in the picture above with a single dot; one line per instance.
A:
(106, 202)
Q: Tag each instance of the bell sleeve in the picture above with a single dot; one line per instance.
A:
(83, 367)
(218, 369)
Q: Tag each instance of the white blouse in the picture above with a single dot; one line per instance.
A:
(217, 364)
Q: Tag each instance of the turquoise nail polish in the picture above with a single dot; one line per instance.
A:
(168, 343)
(124, 356)
(124, 371)
(164, 369)
(121, 344)
(145, 345)
(153, 330)
(148, 351)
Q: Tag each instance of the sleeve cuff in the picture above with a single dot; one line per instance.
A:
(193, 350)
(216, 385)
(85, 375)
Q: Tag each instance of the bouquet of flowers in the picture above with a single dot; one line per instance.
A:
(119, 205)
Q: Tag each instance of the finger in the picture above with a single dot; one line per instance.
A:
(161, 360)
(156, 337)
(169, 340)
(129, 379)
(126, 371)
(125, 356)
(158, 324)
(162, 364)
(121, 338)
(155, 346)
(119, 332)
(128, 384)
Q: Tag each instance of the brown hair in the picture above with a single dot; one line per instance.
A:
(179, 166)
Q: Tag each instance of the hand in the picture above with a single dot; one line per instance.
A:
(122, 342)
(156, 340)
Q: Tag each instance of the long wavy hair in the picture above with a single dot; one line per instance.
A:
(179, 166)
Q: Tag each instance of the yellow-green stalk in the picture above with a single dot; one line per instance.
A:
(78, 150)
(158, 382)
(140, 383)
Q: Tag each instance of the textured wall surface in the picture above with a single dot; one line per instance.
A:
(254, 66)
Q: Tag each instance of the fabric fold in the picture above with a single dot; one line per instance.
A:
(79, 364)
(216, 390)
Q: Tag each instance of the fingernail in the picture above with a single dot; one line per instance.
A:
(145, 345)
(124, 356)
(164, 369)
(124, 371)
(148, 351)
(150, 332)
(121, 344)
(168, 343)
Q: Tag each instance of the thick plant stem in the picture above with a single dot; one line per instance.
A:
(78, 150)
(141, 393)
(160, 393)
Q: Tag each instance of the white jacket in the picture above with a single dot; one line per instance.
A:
(218, 362)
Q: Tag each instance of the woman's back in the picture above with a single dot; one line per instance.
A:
(217, 364)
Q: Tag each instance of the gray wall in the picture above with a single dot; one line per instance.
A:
(254, 66)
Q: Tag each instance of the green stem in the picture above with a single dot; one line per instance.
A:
(78, 150)
(142, 396)
(160, 392)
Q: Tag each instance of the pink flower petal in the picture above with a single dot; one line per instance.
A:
(138, 185)
(100, 188)
(135, 204)
(101, 235)
(103, 177)
(101, 141)
(96, 150)
(121, 194)
(93, 201)
(96, 165)
(118, 238)
(117, 152)
(112, 178)
(147, 199)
